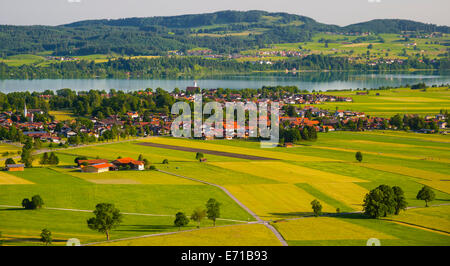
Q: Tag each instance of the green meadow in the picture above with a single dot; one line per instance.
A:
(276, 191)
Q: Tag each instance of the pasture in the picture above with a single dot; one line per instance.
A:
(276, 190)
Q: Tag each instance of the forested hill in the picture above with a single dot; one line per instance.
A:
(395, 26)
(223, 32)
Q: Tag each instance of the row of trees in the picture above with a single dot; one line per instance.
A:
(108, 217)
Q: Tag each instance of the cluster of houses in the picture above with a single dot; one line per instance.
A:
(104, 165)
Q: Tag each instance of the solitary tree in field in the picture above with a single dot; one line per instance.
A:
(199, 156)
(426, 194)
(317, 207)
(198, 216)
(380, 202)
(400, 201)
(359, 156)
(180, 220)
(213, 210)
(165, 161)
(37, 201)
(46, 237)
(107, 217)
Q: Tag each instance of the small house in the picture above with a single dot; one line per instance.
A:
(15, 167)
(97, 168)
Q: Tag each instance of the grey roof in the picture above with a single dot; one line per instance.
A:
(15, 165)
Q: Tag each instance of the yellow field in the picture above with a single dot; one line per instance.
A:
(238, 150)
(129, 177)
(285, 172)
(348, 193)
(393, 155)
(432, 217)
(238, 235)
(443, 186)
(275, 200)
(7, 179)
(11, 149)
(62, 115)
(413, 172)
(326, 228)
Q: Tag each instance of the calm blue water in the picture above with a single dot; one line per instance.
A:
(310, 81)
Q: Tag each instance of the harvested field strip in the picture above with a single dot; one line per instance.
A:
(219, 153)
(276, 200)
(285, 172)
(259, 152)
(7, 179)
(326, 228)
(413, 172)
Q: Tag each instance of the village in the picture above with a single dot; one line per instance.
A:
(297, 111)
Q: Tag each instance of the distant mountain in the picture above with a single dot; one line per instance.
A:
(222, 32)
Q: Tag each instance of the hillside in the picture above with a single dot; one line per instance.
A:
(222, 32)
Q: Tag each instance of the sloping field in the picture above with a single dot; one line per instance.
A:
(326, 228)
(285, 172)
(443, 186)
(219, 153)
(413, 172)
(392, 155)
(432, 217)
(239, 150)
(130, 177)
(112, 151)
(7, 179)
(238, 235)
(348, 193)
(275, 200)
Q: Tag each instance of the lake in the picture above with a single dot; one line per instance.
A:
(305, 80)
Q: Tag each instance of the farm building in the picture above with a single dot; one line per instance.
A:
(93, 161)
(15, 167)
(98, 168)
(133, 164)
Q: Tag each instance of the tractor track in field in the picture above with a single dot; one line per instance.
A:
(258, 219)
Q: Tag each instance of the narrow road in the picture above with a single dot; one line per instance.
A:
(258, 219)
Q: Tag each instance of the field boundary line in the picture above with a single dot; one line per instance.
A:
(258, 219)
(125, 213)
(421, 227)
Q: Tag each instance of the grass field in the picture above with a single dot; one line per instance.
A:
(275, 190)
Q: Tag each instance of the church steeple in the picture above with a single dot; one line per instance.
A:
(25, 111)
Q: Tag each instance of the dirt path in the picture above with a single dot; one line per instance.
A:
(258, 219)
